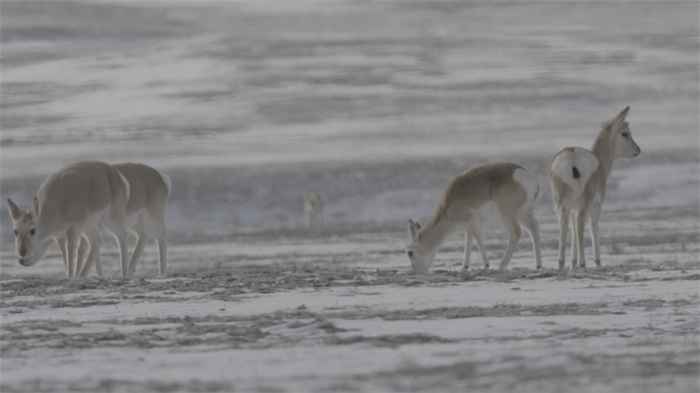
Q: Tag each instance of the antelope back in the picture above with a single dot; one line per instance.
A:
(493, 182)
(79, 190)
(149, 189)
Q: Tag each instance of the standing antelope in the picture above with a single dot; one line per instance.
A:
(470, 199)
(578, 179)
(145, 214)
(313, 207)
(76, 199)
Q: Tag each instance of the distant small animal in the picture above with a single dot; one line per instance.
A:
(578, 179)
(313, 208)
(472, 198)
(74, 200)
(145, 215)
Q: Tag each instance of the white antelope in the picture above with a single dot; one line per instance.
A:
(471, 198)
(76, 199)
(313, 208)
(578, 178)
(145, 215)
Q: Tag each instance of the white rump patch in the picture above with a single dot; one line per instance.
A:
(585, 163)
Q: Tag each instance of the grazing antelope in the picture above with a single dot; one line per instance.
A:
(313, 207)
(578, 178)
(76, 199)
(145, 214)
(470, 199)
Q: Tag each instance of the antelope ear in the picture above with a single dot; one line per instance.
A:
(15, 211)
(413, 230)
(620, 118)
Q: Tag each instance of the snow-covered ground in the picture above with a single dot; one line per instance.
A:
(377, 104)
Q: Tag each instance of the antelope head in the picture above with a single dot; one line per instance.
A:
(624, 145)
(418, 253)
(28, 246)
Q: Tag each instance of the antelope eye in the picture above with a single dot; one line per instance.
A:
(15, 232)
(409, 253)
(626, 134)
(32, 231)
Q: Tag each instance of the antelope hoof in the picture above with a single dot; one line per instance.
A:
(597, 262)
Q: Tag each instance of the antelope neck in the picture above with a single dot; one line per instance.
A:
(603, 149)
(436, 230)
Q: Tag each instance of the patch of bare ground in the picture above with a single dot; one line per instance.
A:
(230, 283)
(117, 385)
(528, 374)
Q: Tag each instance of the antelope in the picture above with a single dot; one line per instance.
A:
(145, 215)
(471, 199)
(578, 178)
(75, 200)
(313, 208)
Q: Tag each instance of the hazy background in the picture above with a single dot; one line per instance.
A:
(376, 104)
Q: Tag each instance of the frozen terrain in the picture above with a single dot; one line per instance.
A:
(376, 104)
